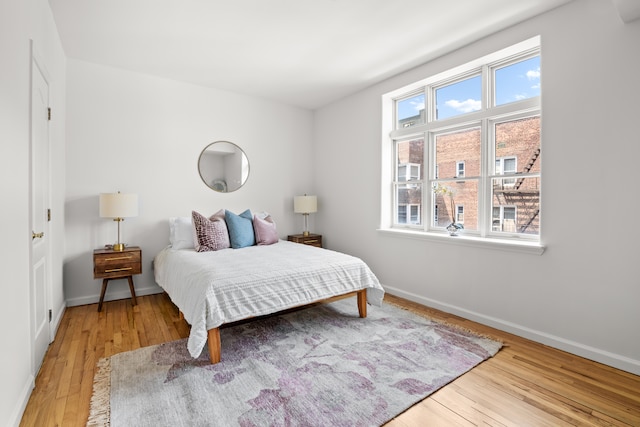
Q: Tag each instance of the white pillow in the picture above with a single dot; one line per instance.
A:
(181, 233)
(263, 214)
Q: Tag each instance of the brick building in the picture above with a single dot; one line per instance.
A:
(515, 200)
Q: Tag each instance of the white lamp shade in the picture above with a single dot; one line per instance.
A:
(305, 204)
(118, 205)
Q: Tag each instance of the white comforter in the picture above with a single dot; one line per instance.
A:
(212, 288)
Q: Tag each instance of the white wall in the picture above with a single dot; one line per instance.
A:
(21, 21)
(582, 294)
(142, 134)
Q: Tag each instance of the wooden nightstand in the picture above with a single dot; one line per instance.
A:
(109, 264)
(311, 239)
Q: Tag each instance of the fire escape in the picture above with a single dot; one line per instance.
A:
(526, 199)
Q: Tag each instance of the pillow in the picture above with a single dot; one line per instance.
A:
(240, 229)
(181, 233)
(265, 230)
(262, 215)
(224, 237)
(210, 233)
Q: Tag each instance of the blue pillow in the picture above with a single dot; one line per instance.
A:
(240, 227)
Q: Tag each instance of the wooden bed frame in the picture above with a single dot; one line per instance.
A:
(213, 337)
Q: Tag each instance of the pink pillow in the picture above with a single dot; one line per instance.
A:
(265, 230)
(211, 234)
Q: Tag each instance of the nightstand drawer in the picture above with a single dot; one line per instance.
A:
(311, 239)
(116, 264)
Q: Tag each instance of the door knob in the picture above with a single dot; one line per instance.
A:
(35, 235)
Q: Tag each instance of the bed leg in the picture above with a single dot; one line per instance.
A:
(213, 342)
(362, 302)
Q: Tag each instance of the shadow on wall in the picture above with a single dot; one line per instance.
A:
(83, 226)
(87, 231)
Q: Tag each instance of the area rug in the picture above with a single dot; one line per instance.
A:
(320, 366)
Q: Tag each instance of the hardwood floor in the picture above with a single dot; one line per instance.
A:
(525, 384)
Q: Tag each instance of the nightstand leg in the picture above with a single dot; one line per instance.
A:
(104, 289)
(133, 291)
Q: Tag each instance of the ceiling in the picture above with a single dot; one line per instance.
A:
(306, 53)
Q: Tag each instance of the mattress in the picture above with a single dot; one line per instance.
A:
(213, 288)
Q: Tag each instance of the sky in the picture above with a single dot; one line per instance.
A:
(513, 83)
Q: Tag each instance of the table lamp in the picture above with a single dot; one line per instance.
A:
(118, 206)
(305, 205)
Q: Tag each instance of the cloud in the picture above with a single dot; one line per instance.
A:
(464, 106)
(533, 74)
(418, 106)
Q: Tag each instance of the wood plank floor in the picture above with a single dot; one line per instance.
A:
(525, 384)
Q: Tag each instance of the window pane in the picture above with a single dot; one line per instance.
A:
(410, 111)
(516, 207)
(402, 173)
(455, 148)
(509, 212)
(409, 200)
(459, 98)
(510, 165)
(410, 163)
(518, 81)
(518, 146)
(415, 214)
(459, 197)
(402, 214)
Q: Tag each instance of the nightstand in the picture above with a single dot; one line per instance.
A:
(311, 239)
(109, 264)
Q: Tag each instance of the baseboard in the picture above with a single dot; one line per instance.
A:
(24, 396)
(55, 323)
(602, 356)
(124, 294)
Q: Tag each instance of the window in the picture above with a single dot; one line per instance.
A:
(506, 165)
(466, 148)
(410, 110)
(409, 214)
(408, 172)
(458, 98)
(460, 214)
(504, 219)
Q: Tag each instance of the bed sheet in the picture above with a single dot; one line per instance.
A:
(213, 288)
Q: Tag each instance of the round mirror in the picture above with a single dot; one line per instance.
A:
(223, 166)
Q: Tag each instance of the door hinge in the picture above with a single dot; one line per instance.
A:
(50, 315)
(49, 113)
(48, 214)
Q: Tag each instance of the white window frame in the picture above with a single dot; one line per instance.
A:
(459, 169)
(486, 117)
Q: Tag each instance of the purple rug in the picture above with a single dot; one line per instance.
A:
(320, 366)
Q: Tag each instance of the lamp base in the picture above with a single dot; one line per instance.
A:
(305, 233)
(118, 247)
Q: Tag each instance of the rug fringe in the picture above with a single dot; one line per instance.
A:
(99, 412)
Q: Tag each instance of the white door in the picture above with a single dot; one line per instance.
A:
(40, 276)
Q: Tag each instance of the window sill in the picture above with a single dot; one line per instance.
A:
(527, 247)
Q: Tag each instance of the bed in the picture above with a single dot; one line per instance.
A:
(218, 287)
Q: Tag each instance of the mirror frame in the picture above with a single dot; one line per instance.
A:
(220, 185)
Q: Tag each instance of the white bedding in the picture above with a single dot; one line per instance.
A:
(213, 288)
